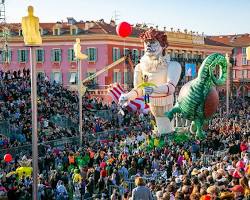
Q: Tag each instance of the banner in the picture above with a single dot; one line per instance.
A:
(190, 69)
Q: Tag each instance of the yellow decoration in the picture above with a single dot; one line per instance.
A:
(77, 178)
(83, 89)
(77, 50)
(24, 171)
(30, 29)
(186, 156)
(156, 142)
(146, 84)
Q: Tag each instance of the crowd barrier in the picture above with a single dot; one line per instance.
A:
(90, 137)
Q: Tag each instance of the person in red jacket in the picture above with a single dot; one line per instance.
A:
(243, 146)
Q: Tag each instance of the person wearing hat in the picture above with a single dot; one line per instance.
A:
(141, 191)
(195, 172)
(213, 192)
(227, 196)
(238, 192)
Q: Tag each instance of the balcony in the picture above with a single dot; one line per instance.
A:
(244, 80)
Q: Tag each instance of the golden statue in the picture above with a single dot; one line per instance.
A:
(30, 29)
(248, 53)
(77, 50)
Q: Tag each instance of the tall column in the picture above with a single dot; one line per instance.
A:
(34, 122)
(229, 65)
(80, 98)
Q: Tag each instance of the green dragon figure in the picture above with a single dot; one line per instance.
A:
(198, 99)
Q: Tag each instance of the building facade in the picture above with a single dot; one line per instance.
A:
(240, 72)
(55, 58)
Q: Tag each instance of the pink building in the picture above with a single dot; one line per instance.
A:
(240, 72)
(55, 58)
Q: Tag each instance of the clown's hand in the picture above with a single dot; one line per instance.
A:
(123, 100)
(148, 90)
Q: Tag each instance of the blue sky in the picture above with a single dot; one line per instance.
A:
(213, 17)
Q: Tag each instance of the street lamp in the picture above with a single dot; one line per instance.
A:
(32, 39)
(79, 57)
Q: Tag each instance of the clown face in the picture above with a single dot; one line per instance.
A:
(152, 48)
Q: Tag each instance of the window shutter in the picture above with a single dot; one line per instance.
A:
(26, 55)
(52, 76)
(114, 77)
(19, 55)
(125, 77)
(119, 77)
(87, 52)
(43, 51)
(37, 56)
(69, 55)
(52, 55)
(3, 56)
(9, 55)
(136, 55)
(73, 55)
(60, 77)
(77, 78)
(95, 54)
(60, 55)
(114, 54)
(68, 77)
(118, 54)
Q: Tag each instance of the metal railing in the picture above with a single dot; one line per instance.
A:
(7, 129)
(90, 137)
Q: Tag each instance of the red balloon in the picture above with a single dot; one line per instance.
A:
(7, 157)
(124, 29)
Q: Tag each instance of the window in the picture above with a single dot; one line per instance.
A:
(92, 54)
(244, 51)
(195, 56)
(116, 77)
(71, 55)
(40, 55)
(244, 61)
(135, 56)
(142, 53)
(41, 75)
(21, 32)
(41, 31)
(56, 77)
(73, 31)
(93, 81)
(126, 78)
(234, 74)
(22, 55)
(244, 73)
(56, 55)
(73, 78)
(56, 31)
(126, 51)
(116, 54)
(235, 51)
(6, 56)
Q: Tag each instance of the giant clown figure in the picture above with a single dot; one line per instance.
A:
(156, 68)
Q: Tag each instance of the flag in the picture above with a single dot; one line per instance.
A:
(116, 90)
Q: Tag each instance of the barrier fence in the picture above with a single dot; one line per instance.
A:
(90, 137)
(8, 130)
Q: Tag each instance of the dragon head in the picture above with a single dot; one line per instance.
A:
(210, 64)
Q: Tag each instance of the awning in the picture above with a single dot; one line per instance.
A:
(57, 77)
(72, 78)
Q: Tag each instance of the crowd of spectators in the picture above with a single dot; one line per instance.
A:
(217, 167)
(123, 167)
(53, 100)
